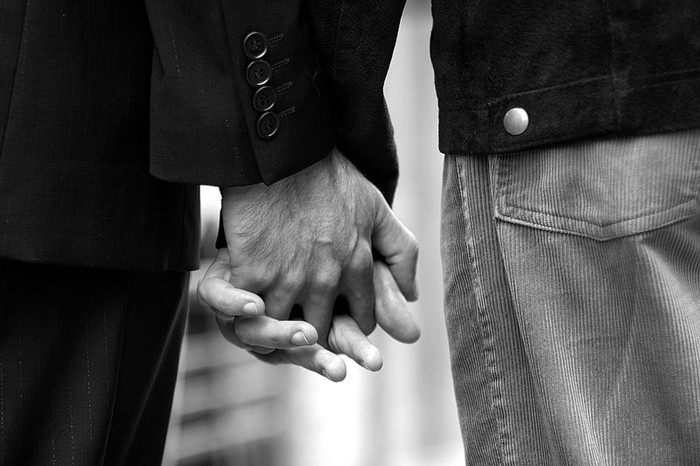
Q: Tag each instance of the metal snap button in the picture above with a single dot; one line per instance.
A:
(516, 121)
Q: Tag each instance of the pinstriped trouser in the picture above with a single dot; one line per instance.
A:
(88, 363)
(572, 284)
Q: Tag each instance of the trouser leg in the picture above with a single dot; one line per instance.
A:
(573, 302)
(499, 410)
(88, 363)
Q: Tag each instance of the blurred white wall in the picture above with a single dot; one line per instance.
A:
(406, 414)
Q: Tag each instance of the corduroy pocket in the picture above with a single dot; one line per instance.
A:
(603, 189)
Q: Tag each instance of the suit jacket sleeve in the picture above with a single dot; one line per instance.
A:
(329, 59)
(204, 125)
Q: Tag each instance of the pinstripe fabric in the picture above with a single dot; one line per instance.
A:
(88, 362)
(572, 283)
(75, 187)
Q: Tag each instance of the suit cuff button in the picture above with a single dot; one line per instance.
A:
(268, 125)
(255, 45)
(264, 99)
(258, 73)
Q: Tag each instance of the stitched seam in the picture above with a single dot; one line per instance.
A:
(283, 87)
(239, 80)
(457, 102)
(501, 195)
(280, 64)
(275, 39)
(533, 224)
(665, 83)
(499, 187)
(550, 88)
(484, 323)
(517, 209)
(286, 112)
(669, 73)
(20, 52)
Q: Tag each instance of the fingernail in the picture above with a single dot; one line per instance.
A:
(300, 339)
(371, 369)
(415, 293)
(250, 308)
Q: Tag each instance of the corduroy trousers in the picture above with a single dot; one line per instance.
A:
(572, 285)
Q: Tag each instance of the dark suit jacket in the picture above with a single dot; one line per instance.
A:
(203, 112)
(81, 124)
(74, 115)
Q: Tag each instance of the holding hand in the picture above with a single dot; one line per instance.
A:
(307, 239)
(295, 342)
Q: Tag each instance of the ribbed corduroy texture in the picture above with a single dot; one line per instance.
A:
(568, 349)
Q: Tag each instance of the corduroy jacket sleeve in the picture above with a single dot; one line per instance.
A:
(238, 95)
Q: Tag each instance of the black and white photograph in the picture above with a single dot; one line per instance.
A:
(349, 232)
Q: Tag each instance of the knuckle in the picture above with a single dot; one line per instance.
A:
(362, 262)
(326, 281)
(252, 279)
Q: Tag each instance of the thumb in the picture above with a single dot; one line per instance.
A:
(217, 295)
(398, 246)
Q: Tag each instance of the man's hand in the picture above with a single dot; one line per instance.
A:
(307, 239)
(295, 342)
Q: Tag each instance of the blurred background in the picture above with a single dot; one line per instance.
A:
(231, 409)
